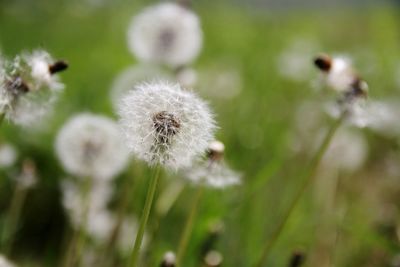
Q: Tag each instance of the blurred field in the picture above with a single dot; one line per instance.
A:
(255, 125)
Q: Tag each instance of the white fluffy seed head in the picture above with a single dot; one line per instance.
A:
(341, 74)
(164, 124)
(29, 87)
(169, 259)
(134, 75)
(166, 33)
(214, 174)
(91, 146)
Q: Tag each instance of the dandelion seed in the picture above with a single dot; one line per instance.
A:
(91, 146)
(29, 87)
(163, 124)
(8, 155)
(166, 33)
(213, 171)
(135, 75)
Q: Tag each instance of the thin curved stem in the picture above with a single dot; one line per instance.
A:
(307, 177)
(145, 216)
(189, 226)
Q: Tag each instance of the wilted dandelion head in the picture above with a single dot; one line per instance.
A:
(341, 77)
(134, 75)
(163, 124)
(91, 146)
(213, 171)
(166, 33)
(29, 86)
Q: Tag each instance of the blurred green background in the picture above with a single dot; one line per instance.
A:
(255, 125)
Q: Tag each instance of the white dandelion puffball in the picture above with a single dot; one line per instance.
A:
(4, 262)
(164, 124)
(91, 146)
(213, 174)
(347, 151)
(134, 75)
(8, 155)
(29, 87)
(166, 33)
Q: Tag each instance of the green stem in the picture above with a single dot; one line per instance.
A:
(189, 226)
(2, 116)
(12, 218)
(145, 217)
(307, 177)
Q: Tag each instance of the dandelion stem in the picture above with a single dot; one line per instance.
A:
(189, 226)
(12, 218)
(307, 177)
(145, 216)
(77, 241)
(2, 116)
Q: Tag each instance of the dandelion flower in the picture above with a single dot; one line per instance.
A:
(166, 33)
(135, 75)
(213, 172)
(164, 124)
(91, 146)
(29, 87)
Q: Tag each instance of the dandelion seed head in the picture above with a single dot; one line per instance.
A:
(163, 124)
(166, 33)
(91, 146)
(213, 258)
(8, 155)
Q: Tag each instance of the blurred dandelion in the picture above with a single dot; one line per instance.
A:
(29, 87)
(8, 155)
(166, 33)
(169, 260)
(90, 145)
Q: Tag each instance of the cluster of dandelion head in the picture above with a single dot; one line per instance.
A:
(166, 33)
(165, 124)
(29, 86)
(91, 146)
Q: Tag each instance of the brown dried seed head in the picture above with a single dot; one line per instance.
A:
(58, 66)
(323, 62)
(297, 259)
